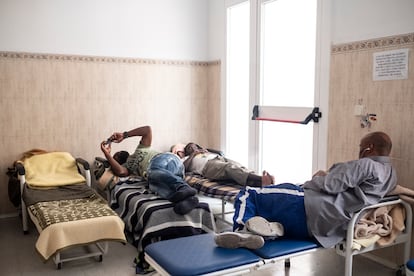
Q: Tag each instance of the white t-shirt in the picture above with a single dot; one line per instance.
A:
(199, 161)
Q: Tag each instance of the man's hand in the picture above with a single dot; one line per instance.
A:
(117, 137)
(320, 173)
(106, 148)
(197, 151)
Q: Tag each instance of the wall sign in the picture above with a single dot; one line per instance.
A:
(390, 65)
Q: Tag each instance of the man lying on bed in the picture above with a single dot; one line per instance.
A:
(216, 167)
(164, 171)
(320, 208)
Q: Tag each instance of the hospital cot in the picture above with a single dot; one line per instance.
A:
(224, 191)
(147, 217)
(199, 255)
(58, 198)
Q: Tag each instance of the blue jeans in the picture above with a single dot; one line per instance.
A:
(166, 174)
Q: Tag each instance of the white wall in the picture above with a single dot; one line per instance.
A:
(166, 29)
(159, 29)
(352, 20)
(356, 20)
(217, 28)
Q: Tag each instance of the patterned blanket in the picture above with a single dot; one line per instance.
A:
(79, 221)
(57, 211)
(224, 190)
(149, 218)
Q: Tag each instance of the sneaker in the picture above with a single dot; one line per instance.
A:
(236, 240)
(260, 226)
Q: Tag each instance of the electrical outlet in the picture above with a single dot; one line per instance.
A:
(359, 110)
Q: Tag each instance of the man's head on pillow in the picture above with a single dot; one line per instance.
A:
(178, 149)
(121, 156)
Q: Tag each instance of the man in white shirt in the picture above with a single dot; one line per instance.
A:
(216, 167)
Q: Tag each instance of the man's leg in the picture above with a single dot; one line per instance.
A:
(255, 180)
(220, 169)
(166, 178)
(164, 183)
(281, 203)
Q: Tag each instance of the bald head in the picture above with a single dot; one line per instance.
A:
(375, 143)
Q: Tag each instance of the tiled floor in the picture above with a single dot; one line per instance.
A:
(18, 257)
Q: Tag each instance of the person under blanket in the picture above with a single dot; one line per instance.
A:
(199, 160)
(323, 206)
(163, 171)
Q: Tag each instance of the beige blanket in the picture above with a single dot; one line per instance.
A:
(51, 169)
(381, 225)
(80, 222)
(384, 224)
(404, 193)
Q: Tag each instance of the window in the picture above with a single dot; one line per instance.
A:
(237, 85)
(273, 50)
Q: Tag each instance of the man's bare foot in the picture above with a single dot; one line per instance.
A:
(267, 179)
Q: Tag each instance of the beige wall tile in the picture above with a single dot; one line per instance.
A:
(392, 101)
(72, 103)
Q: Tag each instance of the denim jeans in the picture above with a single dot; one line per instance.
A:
(165, 174)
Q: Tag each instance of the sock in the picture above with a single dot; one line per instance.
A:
(185, 206)
(182, 193)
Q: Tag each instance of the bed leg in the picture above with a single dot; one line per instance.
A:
(24, 219)
(348, 265)
(22, 180)
(57, 261)
(223, 209)
(401, 271)
(287, 263)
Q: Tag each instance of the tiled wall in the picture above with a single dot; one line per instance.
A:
(351, 83)
(72, 103)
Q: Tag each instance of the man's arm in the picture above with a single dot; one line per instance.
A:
(116, 168)
(145, 132)
(339, 178)
(146, 138)
(187, 162)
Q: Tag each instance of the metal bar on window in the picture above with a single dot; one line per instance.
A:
(296, 115)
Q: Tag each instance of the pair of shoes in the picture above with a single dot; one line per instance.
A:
(185, 206)
(183, 193)
(236, 240)
(260, 226)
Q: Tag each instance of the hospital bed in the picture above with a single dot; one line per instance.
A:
(224, 191)
(147, 217)
(68, 214)
(199, 255)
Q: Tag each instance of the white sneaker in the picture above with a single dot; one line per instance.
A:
(260, 226)
(236, 240)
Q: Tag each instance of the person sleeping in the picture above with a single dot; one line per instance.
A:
(199, 160)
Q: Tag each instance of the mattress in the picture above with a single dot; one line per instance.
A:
(83, 218)
(149, 218)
